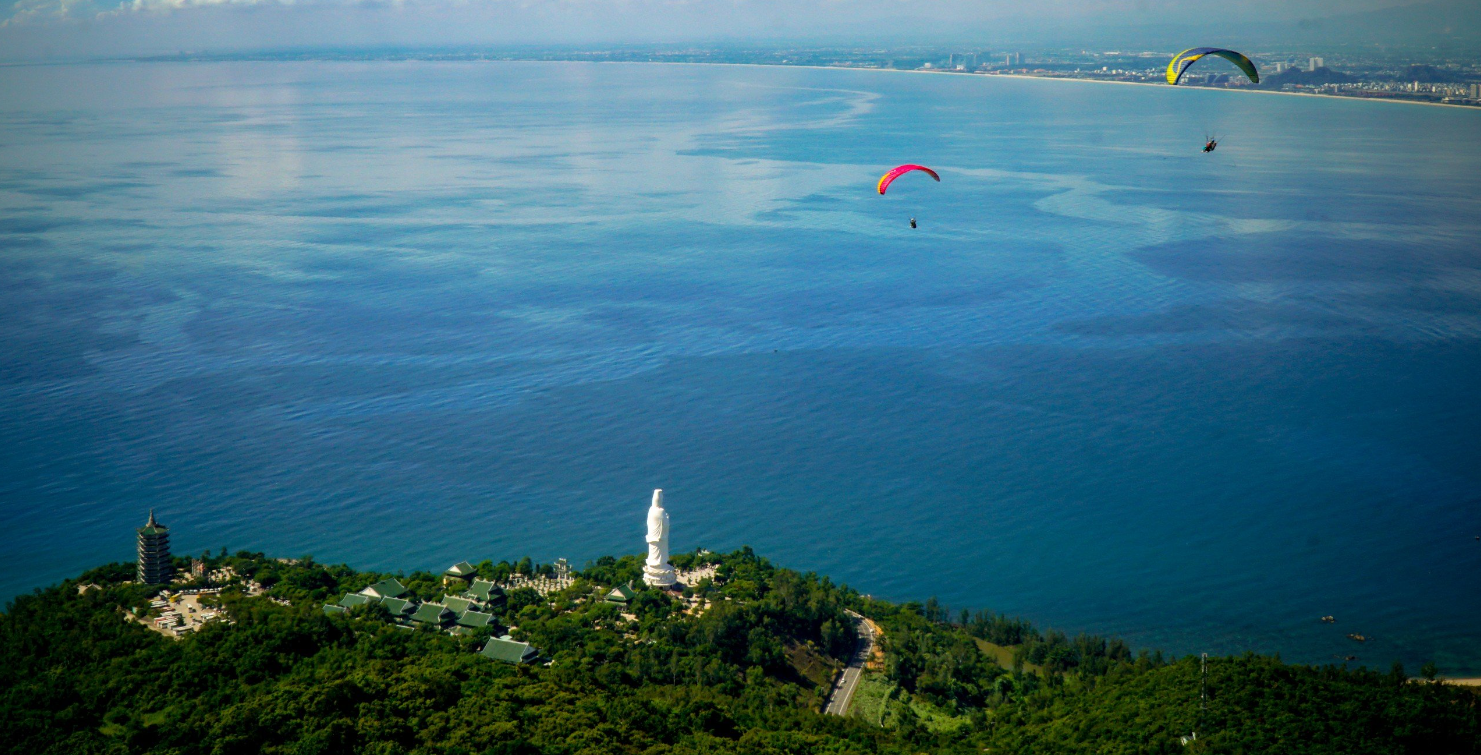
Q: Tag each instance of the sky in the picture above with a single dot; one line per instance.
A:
(71, 29)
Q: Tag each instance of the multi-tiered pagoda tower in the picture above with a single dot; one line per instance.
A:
(155, 567)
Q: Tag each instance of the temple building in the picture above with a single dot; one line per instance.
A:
(507, 650)
(459, 575)
(386, 588)
(155, 567)
(622, 594)
(433, 615)
(485, 593)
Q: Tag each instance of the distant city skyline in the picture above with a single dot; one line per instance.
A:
(83, 29)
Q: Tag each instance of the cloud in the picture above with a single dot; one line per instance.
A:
(43, 11)
(160, 5)
(865, 9)
(25, 11)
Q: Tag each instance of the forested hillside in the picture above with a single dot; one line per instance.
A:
(742, 671)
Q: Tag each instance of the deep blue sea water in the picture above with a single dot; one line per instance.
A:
(403, 314)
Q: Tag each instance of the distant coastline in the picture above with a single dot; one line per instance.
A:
(1239, 89)
(1390, 100)
(462, 59)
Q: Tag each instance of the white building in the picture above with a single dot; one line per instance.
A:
(1316, 63)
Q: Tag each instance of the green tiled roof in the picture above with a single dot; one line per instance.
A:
(398, 607)
(431, 613)
(355, 599)
(508, 651)
(622, 594)
(386, 588)
(461, 569)
(330, 608)
(485, 591)
(475, 620)
(457, 605)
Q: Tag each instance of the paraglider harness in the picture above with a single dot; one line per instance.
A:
(912, 222)
(1211, 143)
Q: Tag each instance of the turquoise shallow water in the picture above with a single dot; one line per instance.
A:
(403, 314)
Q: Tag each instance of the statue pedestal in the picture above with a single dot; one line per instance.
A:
(659, 576)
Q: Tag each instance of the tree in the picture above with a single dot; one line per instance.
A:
(74, 678)
(520, 597)
(838, 639)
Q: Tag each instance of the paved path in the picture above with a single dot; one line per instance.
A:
(843, 689)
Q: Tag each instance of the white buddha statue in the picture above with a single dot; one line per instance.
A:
(657, 570)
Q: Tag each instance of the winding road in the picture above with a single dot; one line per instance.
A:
(843, 688)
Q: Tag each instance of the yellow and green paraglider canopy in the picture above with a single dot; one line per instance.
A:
(1186, 58)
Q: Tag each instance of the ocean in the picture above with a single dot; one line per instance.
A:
(401, 314)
